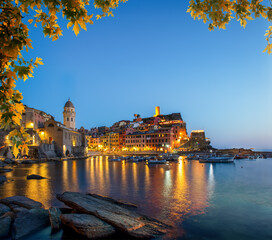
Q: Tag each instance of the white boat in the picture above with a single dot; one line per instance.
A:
(156, 161)
(222, 159)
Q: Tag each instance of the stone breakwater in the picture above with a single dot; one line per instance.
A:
(88, 215)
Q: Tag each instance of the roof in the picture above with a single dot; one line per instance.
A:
(69, 104)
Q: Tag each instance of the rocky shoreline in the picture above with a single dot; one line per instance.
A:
(89, 216)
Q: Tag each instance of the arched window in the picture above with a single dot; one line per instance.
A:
(50, 125)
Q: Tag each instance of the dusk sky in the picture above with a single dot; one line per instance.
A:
(154, 54)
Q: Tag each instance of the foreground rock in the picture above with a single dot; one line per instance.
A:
(123, 219)
(4, 209)
(3, 179)
(54, 216)
(109, 199)
(35, 176)
(2, 164)
(29, 221)
(16, 208)
(5, 170)
(5, 224)
(9, 161)
(21, 201)
(87, 225)
(28, 161)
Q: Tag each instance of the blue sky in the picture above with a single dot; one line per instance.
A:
(154, 54)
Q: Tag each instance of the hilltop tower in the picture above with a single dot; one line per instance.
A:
(157, 111)
(69, 115)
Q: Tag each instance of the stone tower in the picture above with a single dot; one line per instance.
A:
(69, 115)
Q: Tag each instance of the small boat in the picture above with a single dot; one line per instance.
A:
(240, 156)
(172, 157)
(115, 159)
(221, 159)
(156, 161)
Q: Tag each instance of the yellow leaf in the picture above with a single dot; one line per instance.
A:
(83, 25)
(76, 28)
(15, 151)
(30, 21)
(70, 24)
(38, 61)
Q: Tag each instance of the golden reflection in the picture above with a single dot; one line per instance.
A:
(181, 202)
(65, 174)
(74, 175)
(39, 190)
(199, 191)
(92, 178)
(107, 176)
(123, 177)
(135, 177)
(147, 179)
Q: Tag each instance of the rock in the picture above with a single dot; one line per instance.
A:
(87, 225)
(28, 161)
(5, 223)
(5, 170)
(109, 199)
(21, 201)
(9, 153)
(9, 161)
(54, 216)
(4, 209)
(16, 208)
(66, 210)
(35, 176)
(29, 221)
(123, 219)
(2, 164)
(3, 179)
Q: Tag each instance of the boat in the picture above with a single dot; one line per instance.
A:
(115, 159)
(240, 156)
(172, 157)
(156, 161)
(221, 159)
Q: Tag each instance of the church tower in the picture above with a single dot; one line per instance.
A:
(69, 115)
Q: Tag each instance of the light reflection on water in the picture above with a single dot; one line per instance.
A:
(181, 193)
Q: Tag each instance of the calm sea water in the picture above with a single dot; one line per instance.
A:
(202, 201)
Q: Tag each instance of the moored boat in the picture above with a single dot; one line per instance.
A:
(115, 159)
(156, 161)
(221, 159)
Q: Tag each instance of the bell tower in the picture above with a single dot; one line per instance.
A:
(69, 115)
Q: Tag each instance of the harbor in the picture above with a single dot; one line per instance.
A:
(190, 194)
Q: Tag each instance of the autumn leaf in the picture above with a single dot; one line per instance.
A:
(76, 28)
(38, 61)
